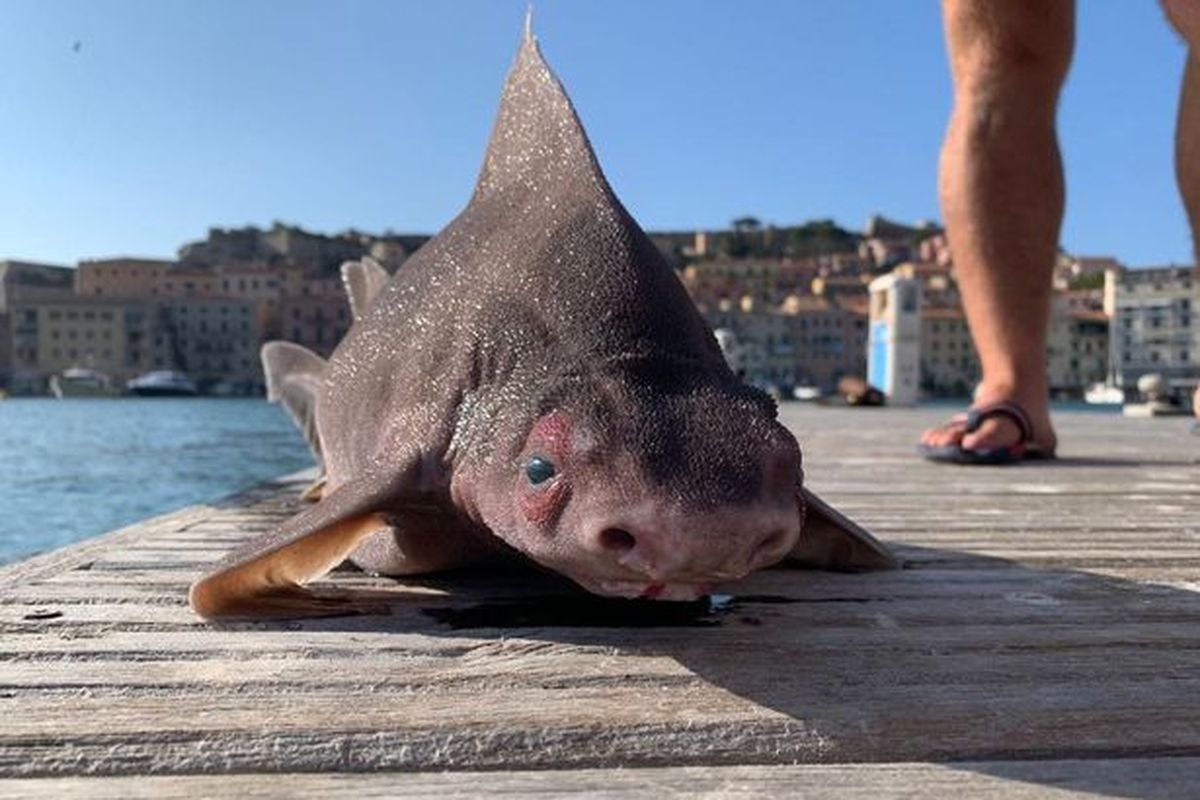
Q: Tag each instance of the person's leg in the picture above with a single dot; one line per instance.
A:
(1001, 186)
(1185, 17)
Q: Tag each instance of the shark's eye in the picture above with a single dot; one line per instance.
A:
(539, 470)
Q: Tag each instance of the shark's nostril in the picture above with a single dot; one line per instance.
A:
(617, 540)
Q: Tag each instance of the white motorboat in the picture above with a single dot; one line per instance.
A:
(807, 394)
(81, 382)
(1104, 394)
(163, 383)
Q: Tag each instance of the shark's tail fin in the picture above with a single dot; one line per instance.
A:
(294, 376)
(363, 281)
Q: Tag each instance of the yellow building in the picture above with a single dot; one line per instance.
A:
(112, 336)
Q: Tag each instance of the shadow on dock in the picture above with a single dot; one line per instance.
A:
(972, 661)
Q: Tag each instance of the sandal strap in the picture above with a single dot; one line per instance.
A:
(1004, 408)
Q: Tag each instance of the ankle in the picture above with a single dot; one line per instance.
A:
(1034, 398)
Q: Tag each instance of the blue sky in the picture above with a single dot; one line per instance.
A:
(174, 116)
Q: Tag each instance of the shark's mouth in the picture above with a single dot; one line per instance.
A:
(679, 591)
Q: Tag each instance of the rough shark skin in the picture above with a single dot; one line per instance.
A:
(533, 383)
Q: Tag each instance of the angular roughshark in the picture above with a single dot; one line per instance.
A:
(533, 382)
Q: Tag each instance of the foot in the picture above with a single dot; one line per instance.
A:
(998, 431)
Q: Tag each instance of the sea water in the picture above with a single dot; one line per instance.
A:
(70, 469)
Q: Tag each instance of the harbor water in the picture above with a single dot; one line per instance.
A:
(76, 468)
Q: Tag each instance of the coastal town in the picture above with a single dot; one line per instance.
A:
(792, 307)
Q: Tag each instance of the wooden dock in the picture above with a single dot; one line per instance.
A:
(1043, 641)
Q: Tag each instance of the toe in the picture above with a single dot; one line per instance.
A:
(993, 433)
(942, 436)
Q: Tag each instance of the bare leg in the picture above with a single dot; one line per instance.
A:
(1187, 147)
(1185, 17)
(1001, 186)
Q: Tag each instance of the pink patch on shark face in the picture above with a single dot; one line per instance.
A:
(551, 434)
(541, 505)
(549, 440)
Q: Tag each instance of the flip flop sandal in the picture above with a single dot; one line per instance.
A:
(1022, 450)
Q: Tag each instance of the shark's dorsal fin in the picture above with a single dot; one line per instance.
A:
(538, 143)
(363, 281)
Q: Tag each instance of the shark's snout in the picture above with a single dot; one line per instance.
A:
(639, 550)
(675, 549)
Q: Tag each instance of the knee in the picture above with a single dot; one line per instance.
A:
(1184, 16)
(1018, 50)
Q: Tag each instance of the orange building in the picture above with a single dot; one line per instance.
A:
(120, 277)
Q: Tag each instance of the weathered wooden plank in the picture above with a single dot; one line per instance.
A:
(649, 727)
(1160, 778)
(547, 664)
(792, 610)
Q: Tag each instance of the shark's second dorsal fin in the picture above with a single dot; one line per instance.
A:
(294, 375)
(363, 281)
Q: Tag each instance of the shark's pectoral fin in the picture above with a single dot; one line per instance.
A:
(363, 281)
(314, 491)
(265, 578)
(831, 540)
(271, 585)
(294, 376)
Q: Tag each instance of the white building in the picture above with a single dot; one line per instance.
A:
(1154, 325)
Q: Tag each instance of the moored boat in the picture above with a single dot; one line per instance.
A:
(807, 394)
(1104, 394)
(162, 383)
(81, 382)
